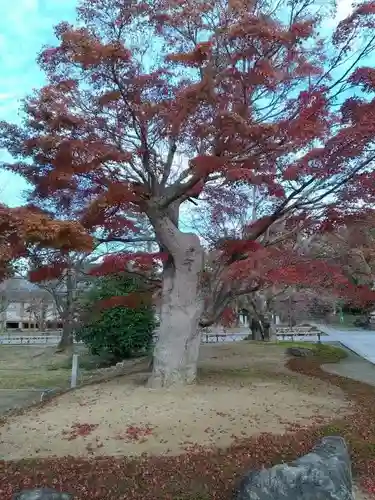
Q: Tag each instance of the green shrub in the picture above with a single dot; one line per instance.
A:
(119, 332)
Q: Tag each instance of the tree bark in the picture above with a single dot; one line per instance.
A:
(269, 330)
(255, 327)
(177, 347)
(66, 340)
(272, 332)
(264, 318)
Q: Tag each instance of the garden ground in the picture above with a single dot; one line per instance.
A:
(246, 399)
(243, 389)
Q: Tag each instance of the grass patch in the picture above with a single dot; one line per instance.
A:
(329, 353)
(42, 379)
(37, 367)
(325, 352)
(26, 367)
(86, 361)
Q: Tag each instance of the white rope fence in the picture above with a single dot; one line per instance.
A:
(282, 333)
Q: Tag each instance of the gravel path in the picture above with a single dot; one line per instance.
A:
(353, 367)
(356, 368)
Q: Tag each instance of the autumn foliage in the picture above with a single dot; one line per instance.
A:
(240, 144)
(26, 226)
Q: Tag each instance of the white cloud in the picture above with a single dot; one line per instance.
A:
(344, 9)
(4, 96)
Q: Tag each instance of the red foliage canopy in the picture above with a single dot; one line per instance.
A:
(243, 97)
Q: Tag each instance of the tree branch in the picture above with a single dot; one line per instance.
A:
(126, 240)
(168, 163)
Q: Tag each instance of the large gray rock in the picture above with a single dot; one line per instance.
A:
(323, 474)
(42, 494)
(299, 352)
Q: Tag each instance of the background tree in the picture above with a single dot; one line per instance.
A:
(350, 244)
(37, 309)
(242, 94)
(63, 272)
(65, 276)
(59, 271)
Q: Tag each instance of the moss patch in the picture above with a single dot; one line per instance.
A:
(326, 353)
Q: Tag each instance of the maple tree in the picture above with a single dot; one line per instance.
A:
(150, 106)
(352, 245)
(27, 231)
(27, 226)
(65, 276)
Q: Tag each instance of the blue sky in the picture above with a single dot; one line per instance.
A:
(25, 26)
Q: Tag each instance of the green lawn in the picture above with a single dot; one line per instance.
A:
(38, 367)
(327, 353)
(33, 367)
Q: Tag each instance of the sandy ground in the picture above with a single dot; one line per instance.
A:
(243, 389)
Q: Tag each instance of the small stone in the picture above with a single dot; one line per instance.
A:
(48, 394)
(299, 352)
(323, 474)
(42, 494)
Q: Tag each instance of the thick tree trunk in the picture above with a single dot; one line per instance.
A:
(192, 355)
(177, 348)
(269, 331)
(263, 317)
(66, 340)
(273, 335)
(256, 331)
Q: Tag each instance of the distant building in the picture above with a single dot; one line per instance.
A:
(25, 306)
